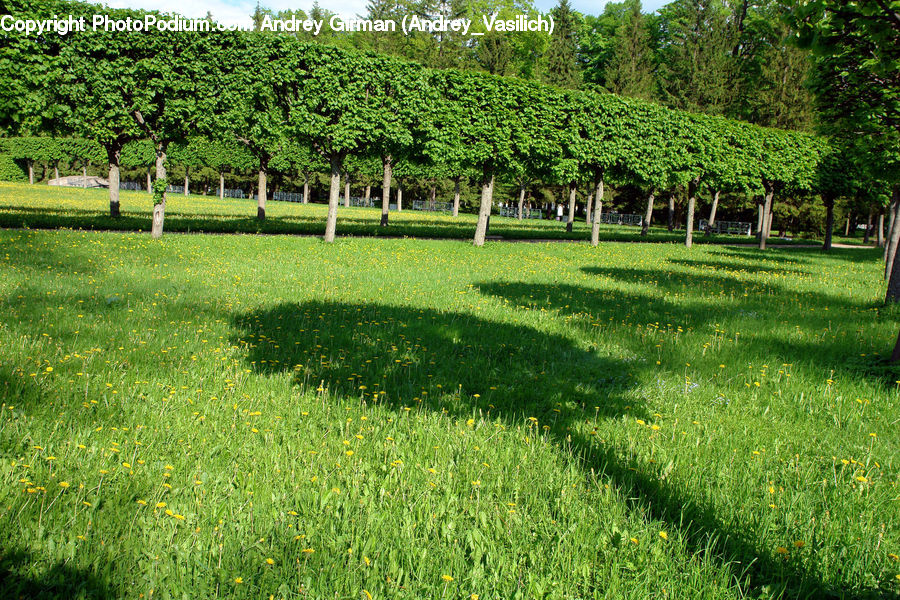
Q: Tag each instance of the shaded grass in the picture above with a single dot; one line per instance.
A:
(524, 419)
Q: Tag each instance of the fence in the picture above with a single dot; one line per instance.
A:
(732, 227)
(612, 218)
(131, 186)
(360, 201)
(287, 197)
(432, 206)
(175, 189)
(512, 211)
(230, 193)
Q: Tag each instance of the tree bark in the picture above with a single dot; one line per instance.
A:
(769, 218)
(84, 175)
(306, 190)
(571, 218)
(671, 215)
(766, 209)
(56, 170)
(433, 197)
(895, 355)
(159, 208)
(263, 192)
(868, 228)
(187, 181)
(334, 196)
(456, 196)
(588, 206)
(880, 229)
(829, 221)
(347, 192)
(598, 210)
(712, 213)
(760, 217)
(648, 214)
(149, 183)
(692, 201)
(399, 197)
(221, 185)
(484, 209)
(894, 234)
(847, 227)
(114, 154)
(30, 171)
(893, 289)
(387, 162)
(368, 194)
(521, 201)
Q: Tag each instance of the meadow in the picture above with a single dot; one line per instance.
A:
(45, 207)
(272, 416)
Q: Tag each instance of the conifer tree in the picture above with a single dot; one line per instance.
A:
(562, 67)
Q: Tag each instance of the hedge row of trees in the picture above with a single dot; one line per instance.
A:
(270, 98)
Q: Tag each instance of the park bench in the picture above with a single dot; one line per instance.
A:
(729, 227)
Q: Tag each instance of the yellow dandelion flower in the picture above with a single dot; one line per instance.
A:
(63, 484)
(799, 544)
(239, 580)
(781, 550)
(447, 578)
(664, 535)
(270, 561)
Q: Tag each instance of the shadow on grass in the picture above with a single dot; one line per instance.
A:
(18, 580)
(458, 364)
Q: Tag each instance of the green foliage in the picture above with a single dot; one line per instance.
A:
(10, 170)
(562, 66)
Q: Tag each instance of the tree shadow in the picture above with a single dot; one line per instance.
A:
(456, 363)
(774, 255)
(736, 266)
(62, 580)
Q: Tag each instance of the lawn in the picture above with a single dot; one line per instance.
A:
(45, 207)
(272, 416)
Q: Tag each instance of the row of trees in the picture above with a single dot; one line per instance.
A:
(275, 97)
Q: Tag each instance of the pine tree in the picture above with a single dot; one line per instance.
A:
(630, 72)
(562, 67)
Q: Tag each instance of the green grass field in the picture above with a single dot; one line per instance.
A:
(45, 207)
(272, 416)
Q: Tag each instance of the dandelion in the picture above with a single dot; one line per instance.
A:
(270, 561)
(307, 551)
(799, 544)
(781, 550)
(239, 580)
(160, 505)
(63, 484)
(447, 578)
(664, 535)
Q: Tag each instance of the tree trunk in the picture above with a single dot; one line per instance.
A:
(847, 227)
(894, 234)
(263, 192)
(149, 183)
(84, 175)
(368, 194)
(456, 196)
(387, 162)
(692, 201)
(187, 181)
(433, 197)
(671, 215)
(766, 209)
(760, 217)
(484, 209)
(56, 170)
(829, 221)
(893, 289)
(648, 214)
(712, 213)
(334, 196)
(895, 355)
(399, 197)
(588, 206)
(30, 172)
(598, 210)
(880, 229)
(159, 204)
(306, 190)
(521, 207)
(347, 192)
(114, 154)
(221, 185)
(571, 218)
(868, 228)
(769, 218)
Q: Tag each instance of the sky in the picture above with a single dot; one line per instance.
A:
(239, 11)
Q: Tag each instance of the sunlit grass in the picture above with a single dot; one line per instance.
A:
(256, 416)
(45, 207)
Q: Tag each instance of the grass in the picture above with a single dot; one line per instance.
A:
(45, 207)
(254, 416)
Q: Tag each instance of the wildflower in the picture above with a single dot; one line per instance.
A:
(447, 578)
(781, 550)
(269, 561)
(799, 544)
(664, 535)
(307, 551)
(63, 484)
(239, 580)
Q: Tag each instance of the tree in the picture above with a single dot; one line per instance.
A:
(630, 70)
(562, 67)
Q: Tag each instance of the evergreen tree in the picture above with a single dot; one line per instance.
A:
(697, 68)
(562, 67)
(630, 71)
